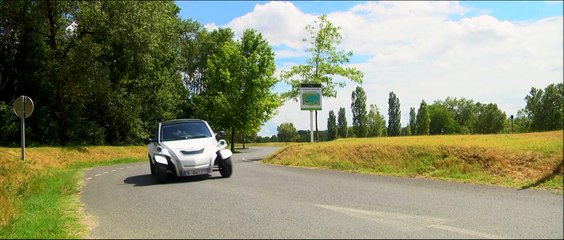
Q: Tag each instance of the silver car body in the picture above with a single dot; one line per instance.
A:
(187, 155)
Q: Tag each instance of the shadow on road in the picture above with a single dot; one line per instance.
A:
(148, 180)
(558, 170)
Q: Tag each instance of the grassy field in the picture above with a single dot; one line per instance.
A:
(532, 160)
(39, 196)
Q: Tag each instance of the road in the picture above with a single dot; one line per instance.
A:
(267, 201)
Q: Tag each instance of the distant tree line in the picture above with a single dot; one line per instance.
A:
(105, 72)
(543, 112)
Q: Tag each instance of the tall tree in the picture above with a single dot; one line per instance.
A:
(358, 107)
(286, 132)
(490, 119)
(239, 83)
(442, 120)
(324, 63)
(412, 121)
(342, 128)
(545, 108)
(423, 119)
(394, 115)
(376, 122)
(331, 126)
(96, 68)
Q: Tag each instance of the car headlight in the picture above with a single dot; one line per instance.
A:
(161, 159)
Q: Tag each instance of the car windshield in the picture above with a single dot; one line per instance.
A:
(185, 130)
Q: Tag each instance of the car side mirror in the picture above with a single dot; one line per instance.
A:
(222, 143)
(220, 135)
(148, 140)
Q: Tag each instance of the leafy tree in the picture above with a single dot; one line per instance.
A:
(423, 119)
(342, 127)
(412, 121)
(95, 69)
(464, 113)
(489, 119)
(358, 107)
(286, 132)
(394, 115)
(238, 92)
(332, 126)
(376, 122)
(325, 62)
(442, 120)
(545, 108)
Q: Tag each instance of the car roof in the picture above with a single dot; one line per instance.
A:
(182, 121)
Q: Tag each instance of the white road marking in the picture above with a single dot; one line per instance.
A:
(105, 173)
(467, 232)
(88, 178)
(113, 170)
(405, 222)
(97, 175)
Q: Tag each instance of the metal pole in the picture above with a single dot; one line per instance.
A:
(311, 125)
(23, 128)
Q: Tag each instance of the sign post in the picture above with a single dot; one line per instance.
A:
(310, 98)
(23, 107)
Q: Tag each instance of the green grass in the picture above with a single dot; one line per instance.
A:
(50, 207)
(39, 197)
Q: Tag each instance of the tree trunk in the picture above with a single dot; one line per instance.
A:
(232, 139)
(243, 139)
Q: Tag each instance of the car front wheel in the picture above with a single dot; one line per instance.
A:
(226, 167)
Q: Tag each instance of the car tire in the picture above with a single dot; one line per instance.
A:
(160, 173)
(226, 167)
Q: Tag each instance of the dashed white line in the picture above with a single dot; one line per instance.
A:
(113, 170)
(88, 178)
(97, 175)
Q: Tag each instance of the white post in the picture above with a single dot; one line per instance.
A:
(311, 125)
(23, 128)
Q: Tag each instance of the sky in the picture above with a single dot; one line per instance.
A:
(488, 51)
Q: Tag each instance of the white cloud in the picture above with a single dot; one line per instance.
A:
(420, 52)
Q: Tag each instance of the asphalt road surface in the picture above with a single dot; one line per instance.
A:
(266, 201)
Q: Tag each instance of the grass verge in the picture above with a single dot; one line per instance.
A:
(532, 160)
(39, 197)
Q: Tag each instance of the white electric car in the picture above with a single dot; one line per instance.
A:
(187, 147)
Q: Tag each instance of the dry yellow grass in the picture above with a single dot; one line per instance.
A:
(515, 160)
(16, 175)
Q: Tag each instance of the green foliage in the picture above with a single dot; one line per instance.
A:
(376, 122)
(331, 126)
(286, 132)
(9, 126)
(358, 107)
(412, 121)
(325, 61)
(489, 119)
(423, 119)
(342, 127)
(442, 120)
(545, 109)
(237, 93)
(394, 115)
(99, 72)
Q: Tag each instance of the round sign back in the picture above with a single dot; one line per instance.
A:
(23, 106)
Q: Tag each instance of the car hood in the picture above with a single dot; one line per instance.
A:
(190, 144)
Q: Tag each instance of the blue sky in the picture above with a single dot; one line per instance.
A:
(488, 51)
(221, 12)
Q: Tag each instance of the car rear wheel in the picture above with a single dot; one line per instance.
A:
(226, 167)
